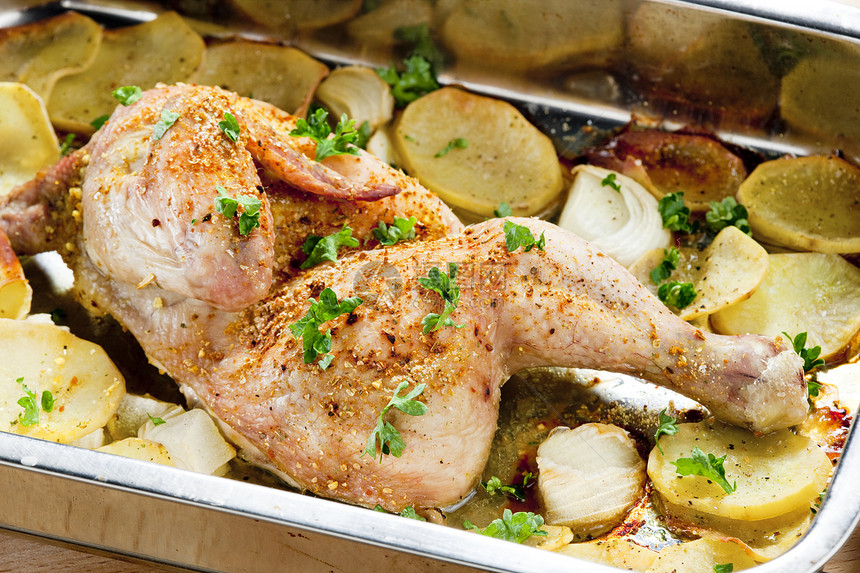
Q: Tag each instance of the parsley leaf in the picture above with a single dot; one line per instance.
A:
(517, 491)
(363, 136)
(385, 438)
(98, 122)
(668, 426)
(127, 95)
(417, 80)
(809, 355)
(30, 403)
(156, 421)
(458, 143)
(66, 146)
(409, 512)
(317, 128)
(168, 118)
(671, 258)
(319, 249)
(676, 294)
(517, 236)
(708, 466)
(228, 206)
(724, 568)
(609, 181)
(327, 308)
(446, 286)
(230, 126)
(675, 214)
(47, 401)
(422, 43)
(727, 213)
(516, 527)
(504, 210)
(400, 230)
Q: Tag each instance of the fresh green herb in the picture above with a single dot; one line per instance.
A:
(708, 466)
(517, 491)
(516, 527)
(319, 249)
(417, 80)
(809, 355)
(168, 118)
(813, 387)
(98, 122)
(422, 43)
(458, 143)
(47, 401)
(230, 126)
(66, 146)
(727, 213)
(724, 568)
(385, 439)
(517, 236)
(446, 286)
(675, 215)
(400, 230)
(156, 421)
(127, 95)
(307, 328)
(58, 316)
(671, 258)
(317, 128)
(364, 133)
(228, 206)
(609, 181)
(409, 512)
(676, 294)
(668, 426)
(504, 210)
(30, 403)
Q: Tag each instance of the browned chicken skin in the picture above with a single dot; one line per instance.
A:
(231, 347)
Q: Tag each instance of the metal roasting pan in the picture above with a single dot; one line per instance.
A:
(179, 518)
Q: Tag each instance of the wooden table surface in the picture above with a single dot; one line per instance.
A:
(21, 553)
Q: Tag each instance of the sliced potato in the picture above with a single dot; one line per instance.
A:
(193, 442)
(378, 28)
(27, 139)
(139, 449)
(164, 50)
(380, 145)
(726, 272)
(505, 158)
(846, 379)
(297, 15)
(359, 93)
(85, 384)
(282, 76)
(624, 223)
(134, 411)
(615, 552)
(92, 440)
(38, 54)
(15, 291)
(589, 477)
(556, 537)
(775, 474)
(814, 293)
(700, 556)
(805, 203)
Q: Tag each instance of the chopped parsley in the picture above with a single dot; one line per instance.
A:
(671, 258)
(31, 402)
(98, 122)
(458, 143)
(809, 355)
(314, 342)
(609, 181)
(417, 80)
(156, 421)
(317, 128)
(319, 249)
(400, 230)
(409, 512)
(516, 527)
(504, 210)
(706, 465)
(517, 236)
(228, 206)
(446, 286)
(422, 43)
(675, 214)
(66, 146)
(47, 401)
(168, 118)
(230, 126)
(127, 95)
(364, 133)
(668, 426)
(724, 568)
(727, 213)
(517, 491)
(676, 294)
(385, 439)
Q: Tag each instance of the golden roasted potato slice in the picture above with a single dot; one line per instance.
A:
(27, 140)
(139, 449)
(282, 76)
(38, 54)
(476, 152)
(164, 50)
(359, 93)
(774, 474)
(700, 556)
(615, 552)
(297, 15)
(15, 291)
(726, 272)
(816, 293)
(85, 385)
(805, 203)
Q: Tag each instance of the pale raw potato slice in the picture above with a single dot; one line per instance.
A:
(359, 93)
(775, 474)
(623, 223)
(620, 553)
(815, 293)
(27, 139)
(38, 54)
(92, 441)
(524, 35)
(846, 379)
(85, 384)
(193, 441)
(282, 76)
(726, 272)
(506, 159)
(589, 477)
(805, 203)
(380, 145)
(297, 15)
(15, 291)
(700, 556)
(134, 411)
(164, 50)
(139, 449)
(379, 27)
